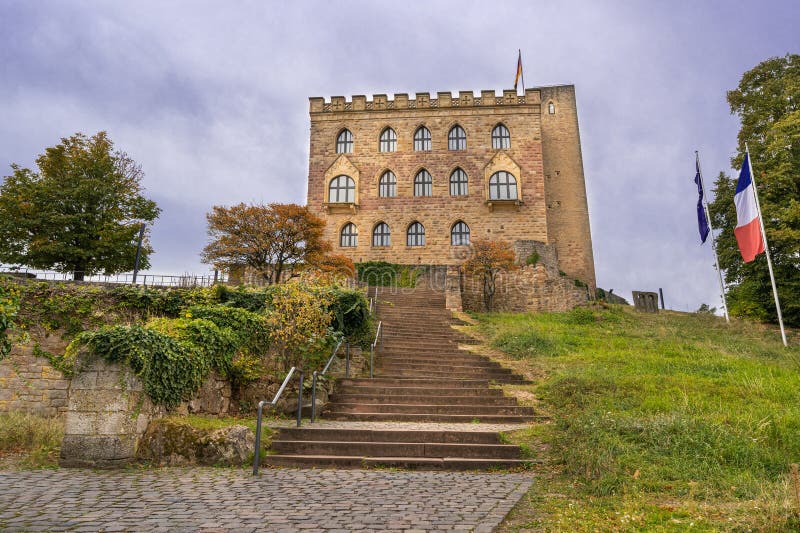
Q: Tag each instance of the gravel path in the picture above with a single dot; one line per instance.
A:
(209, 499)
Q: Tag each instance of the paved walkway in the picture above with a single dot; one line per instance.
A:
(208, 499)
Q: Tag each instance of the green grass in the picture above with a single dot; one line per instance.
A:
(30, 441)
(657, 421)
(216, 422)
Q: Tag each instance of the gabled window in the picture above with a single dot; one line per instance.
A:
(415, 235)
(388, 141)
(344, 143)
(381, 235)
(459, 234)
(502, 186)
(457, 138)
(423, 183)
(501, 139)
(342, 190)
(422, 139)
(387, 185)
(458, 183)
(348, 238)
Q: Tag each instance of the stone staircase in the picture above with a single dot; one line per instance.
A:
(422, 378)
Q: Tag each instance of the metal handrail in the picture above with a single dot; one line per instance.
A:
(378, 339)
(316, 374)
(272, 405)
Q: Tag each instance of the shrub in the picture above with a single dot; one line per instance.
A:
(532, 259)
(381, 273)
(350, 310)
(9, 307)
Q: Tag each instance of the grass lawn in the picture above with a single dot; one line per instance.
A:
(662, 422)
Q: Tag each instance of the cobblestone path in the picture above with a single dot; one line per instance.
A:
(207, 499)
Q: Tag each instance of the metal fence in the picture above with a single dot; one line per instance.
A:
(145, 280)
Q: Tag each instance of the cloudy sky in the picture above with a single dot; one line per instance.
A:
(211, 99)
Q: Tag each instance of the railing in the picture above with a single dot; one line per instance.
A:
(377, 342)
(316, 374)
(272, 405)
(145, 280)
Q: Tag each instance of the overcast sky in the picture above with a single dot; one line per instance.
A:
(211, 98)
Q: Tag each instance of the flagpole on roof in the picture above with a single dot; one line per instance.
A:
(521, 71)
(713, 244)
(766, 247)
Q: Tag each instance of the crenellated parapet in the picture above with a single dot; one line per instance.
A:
(380, 102)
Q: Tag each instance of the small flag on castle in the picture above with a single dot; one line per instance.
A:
(519, 72)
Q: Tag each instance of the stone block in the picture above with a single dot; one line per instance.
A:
(93, 451)
(98, 401)
(84, 380)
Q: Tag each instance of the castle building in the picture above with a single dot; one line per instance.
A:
(414, 180)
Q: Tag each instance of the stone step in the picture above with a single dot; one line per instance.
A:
(458, 358)
(431, 417)
(396, 449)
(422, 392)
(456, 366)
(399, 381)
(443, 409)
(422, 400)
(411, 463)
(479, 373)
(387, 435)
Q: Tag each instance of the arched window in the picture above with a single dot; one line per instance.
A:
(381, 235)
(388, 140)
(415, 235)
(458, 183)
(344, 142)
(501, 139)
(502, 186)
(342, 190)
(422, 139)
(457, 138)
(387, 185)
(551, 108)
(348, 238)
(459, 234)
(423, 183)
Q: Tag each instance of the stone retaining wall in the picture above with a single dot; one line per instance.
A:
(29, 383)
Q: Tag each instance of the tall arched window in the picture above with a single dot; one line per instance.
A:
(388, 140)
(344, 142)
(423, 183)
(387, 185)
(422, 139)
(381, 235)
(501, 139)
(458, 183)
(342, 190)
(459, 234)
(348, 238)
(415, 235)
(551, 108)
(457, 138)
(502, 186)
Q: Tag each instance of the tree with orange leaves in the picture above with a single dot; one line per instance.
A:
(267, 238)
(488, 259)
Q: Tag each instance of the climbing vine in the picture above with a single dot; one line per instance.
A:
(9, 308)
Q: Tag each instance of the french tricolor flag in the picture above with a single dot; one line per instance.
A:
(748, 225)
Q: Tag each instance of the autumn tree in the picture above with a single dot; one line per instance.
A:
(767, 102)
(488, 259)
(266, 238)
(80, 213)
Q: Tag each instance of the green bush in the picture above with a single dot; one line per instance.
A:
(383, 274)
(251, 329)
(351, 317)
(164, 302)
(9, 307)
(532, 259)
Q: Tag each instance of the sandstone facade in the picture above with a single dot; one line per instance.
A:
(543, 155)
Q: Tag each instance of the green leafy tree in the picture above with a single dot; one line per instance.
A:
(767, 101)
(80, 213)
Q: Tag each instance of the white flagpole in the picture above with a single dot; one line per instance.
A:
(713, 244)
(766, 247)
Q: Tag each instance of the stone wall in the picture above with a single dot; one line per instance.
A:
(29, 383)
(530, 288)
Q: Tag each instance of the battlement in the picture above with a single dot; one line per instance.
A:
(380, 102)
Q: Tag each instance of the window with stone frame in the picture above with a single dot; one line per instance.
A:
(387, 185)
(348, 237)
(415, 235)
(501, 138)
(457, 138)
(502, 186)
(381, 236)
(423, 183)
(422, 139)
(388, 141)
(459, 234)
(342, 190)
(344, 143)
(459, 185)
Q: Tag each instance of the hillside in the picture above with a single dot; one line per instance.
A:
(656, 422)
